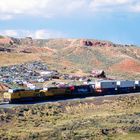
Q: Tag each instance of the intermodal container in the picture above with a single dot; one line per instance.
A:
(137, 86)
(125, 86)
(106, 86)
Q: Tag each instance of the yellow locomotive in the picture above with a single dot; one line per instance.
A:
(14, 95)
(18, 95)
(55, 91)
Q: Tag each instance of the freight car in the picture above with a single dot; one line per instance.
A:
(137, 86)
(125, 86)
(105, 87)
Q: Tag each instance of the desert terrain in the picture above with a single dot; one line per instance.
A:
(94, 118)
(108, 118)
(72, 55)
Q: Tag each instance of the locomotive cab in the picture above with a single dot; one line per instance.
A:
(7, 97)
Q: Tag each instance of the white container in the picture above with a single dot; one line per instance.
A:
(105, 84)
(125, 83)
(137, 83)
(10, 90)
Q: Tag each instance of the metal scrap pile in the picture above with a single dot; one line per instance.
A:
(98, 74)
(20, 73)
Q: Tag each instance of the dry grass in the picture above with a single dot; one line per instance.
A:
(15, 58)
(102, 118)
(80, 108)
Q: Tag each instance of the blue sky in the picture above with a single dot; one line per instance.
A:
(114, 20)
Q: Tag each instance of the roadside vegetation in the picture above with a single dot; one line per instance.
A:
(109, 118)
(1, 36)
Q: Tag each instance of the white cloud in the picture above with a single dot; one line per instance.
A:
(52, 8)
(135, 7)
(112, 5)
(44, 8)
(42, 34)
(5, 17)
(37, 34)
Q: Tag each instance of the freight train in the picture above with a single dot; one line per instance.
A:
(98, 88)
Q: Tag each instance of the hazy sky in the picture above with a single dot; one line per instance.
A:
(115, 20)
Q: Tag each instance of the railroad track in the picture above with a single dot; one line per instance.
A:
(7, 105)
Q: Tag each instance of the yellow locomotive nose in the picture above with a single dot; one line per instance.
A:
(7, 97)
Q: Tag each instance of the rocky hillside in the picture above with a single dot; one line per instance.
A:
(70, 55)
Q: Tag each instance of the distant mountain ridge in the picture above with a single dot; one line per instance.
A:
(41, 42)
